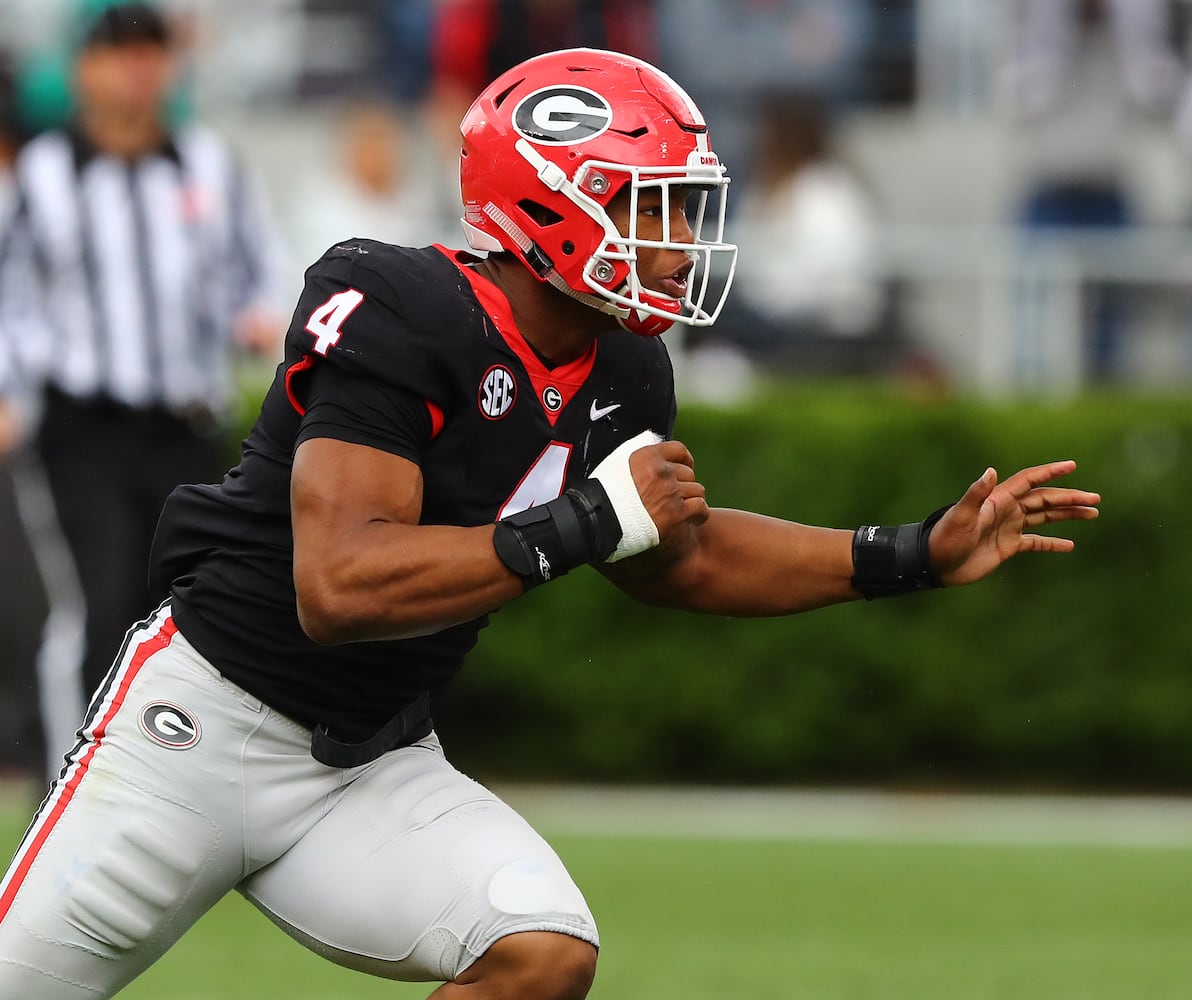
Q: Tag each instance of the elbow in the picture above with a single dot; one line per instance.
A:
(331, 616)
(319, 628)
(321, 616)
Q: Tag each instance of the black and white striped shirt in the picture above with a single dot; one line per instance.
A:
(121, 279)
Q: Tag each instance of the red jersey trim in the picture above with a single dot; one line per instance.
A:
(566, 380)
(57, 805)
(437, 419)
(295, 369)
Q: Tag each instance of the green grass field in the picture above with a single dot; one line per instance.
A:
(695, 918)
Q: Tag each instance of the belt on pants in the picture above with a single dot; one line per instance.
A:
(410, 725)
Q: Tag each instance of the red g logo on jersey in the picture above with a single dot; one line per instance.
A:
(498, 390)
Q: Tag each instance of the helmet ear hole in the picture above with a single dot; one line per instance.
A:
(568, 247)
(541, 215)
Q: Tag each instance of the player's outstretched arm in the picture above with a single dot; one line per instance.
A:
(738, 563)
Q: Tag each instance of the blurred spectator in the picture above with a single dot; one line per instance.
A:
(45, 95)
(136, 258)
(375, 188)
(474, 41)
(1081, 81)
(807, 287)
(21, 749)
(403, 29)
(9, 143)
(734, 53)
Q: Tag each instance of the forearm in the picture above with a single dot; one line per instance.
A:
(392, 580)
(748, 565)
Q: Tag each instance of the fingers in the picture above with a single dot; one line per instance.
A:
(691, 494)
(1065, 514)
(969, 505)
(1048, 505)
(676, 451)
(1046, 543)
(664, 475)
(1025, 480)
(1053, 499)
(1039, 502)
(695, 504)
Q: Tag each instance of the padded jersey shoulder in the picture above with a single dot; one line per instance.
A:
(393, 313)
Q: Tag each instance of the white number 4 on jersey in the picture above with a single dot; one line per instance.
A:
(327, 320)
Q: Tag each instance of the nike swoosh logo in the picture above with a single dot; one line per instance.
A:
(602, 411)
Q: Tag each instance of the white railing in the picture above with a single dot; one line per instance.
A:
(1016, 319)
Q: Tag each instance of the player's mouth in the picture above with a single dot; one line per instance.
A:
(675, 285)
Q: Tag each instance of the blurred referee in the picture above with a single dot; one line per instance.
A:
(136, 258)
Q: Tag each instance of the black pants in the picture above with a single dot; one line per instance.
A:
(22, 749)
(109, 470)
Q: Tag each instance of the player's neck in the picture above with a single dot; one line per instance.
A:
(558, 327)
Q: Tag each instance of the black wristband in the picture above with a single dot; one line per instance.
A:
(545, 542)
(893, 560)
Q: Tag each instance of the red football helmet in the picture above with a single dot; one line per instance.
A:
(552, 141)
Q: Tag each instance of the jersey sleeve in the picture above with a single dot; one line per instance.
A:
(355, 314)
(364, 411)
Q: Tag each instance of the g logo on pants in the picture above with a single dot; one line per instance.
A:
(169, 725)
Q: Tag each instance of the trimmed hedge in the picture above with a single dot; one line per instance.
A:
(1057, 672)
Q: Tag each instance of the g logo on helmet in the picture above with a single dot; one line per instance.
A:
(169, 725)
(564, 115)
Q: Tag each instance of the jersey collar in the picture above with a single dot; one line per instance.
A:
(565, 380)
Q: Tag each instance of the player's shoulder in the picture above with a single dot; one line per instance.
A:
(388, 262)
(422, 285)
(385, 310)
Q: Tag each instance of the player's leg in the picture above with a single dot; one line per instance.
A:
(419, 873)
(537, 965)
(139, 835)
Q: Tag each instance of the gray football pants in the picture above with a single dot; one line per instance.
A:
(183, 787)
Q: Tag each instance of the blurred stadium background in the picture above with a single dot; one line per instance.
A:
(952, 115)
(1003, 195)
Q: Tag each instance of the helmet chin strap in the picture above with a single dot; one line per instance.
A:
(595, 301)
(641, 322)
(637, 321)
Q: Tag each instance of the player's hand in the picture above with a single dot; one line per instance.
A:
(664, 475)
(992, 522)
(650, 484)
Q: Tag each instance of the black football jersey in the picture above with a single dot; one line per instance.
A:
(501, 432)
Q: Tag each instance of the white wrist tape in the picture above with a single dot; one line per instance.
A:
(638, 531)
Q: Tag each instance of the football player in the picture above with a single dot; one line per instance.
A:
(447, 430)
